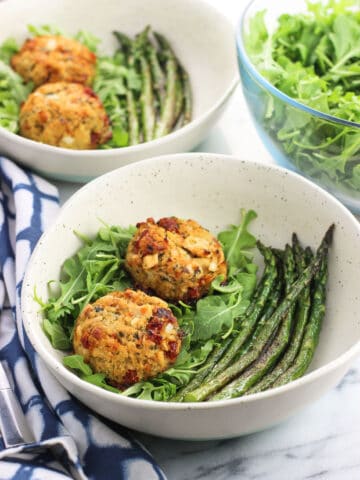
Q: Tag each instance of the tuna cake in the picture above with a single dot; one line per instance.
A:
(174, 258)
(53, 58)
(68, 115)
(129, 336)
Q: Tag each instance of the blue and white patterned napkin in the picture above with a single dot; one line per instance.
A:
(76, 443)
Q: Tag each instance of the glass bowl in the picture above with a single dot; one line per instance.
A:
(322, 147)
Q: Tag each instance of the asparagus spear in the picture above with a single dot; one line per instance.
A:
(183, 108)
(125, 42)
(218, 351)
(302, 313)
(179, 99)
(147, 100)
(167, 119)
(312, 330)
(159, 78)
(134, 129)
(127, 47)
(268, 358)
(320, 276)
(252, 315)
(196, 381)
(170, 89)
(278, 316)
(187, 97)
(270, 308)
(133, 108)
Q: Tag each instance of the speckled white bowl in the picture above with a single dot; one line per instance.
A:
(211, 189)
(201, 36)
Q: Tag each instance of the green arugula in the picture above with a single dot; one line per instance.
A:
(77, 363)
(99, 380)
(40, 30)
(88, 39)
(97, 268)
(92, 272)
(109, 85)
(8, 49)
(237, 241)
(314, 57)
(164, 386)
(212, 315)
(57, 335)
(13, 91)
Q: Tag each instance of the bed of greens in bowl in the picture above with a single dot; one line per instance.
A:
(254, 330)
(300, 66)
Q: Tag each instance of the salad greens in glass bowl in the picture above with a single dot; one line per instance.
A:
(300, 68)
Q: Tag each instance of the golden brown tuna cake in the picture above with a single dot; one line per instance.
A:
(53, 58)
(177, 259)
(129, 336)
(68, 115)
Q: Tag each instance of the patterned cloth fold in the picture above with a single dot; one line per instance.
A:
(71, 441)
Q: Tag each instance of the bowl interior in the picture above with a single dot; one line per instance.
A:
(210, 189)
(200, 36)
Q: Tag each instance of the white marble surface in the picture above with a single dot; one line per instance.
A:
(321, 442)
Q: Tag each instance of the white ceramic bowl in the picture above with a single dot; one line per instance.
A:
(211, 189)
(201, 36)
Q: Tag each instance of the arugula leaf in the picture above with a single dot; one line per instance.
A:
(40, 30)
(231, 286)
(260, 48)
(216, 313)
(109, 85)
(8, 49)
(237, 241)
(13, 91)
(160, 390)
(164, 386)
(56, 334)
(345, 37)
(88, 39)
(212, 316)
(91, 273)
(192, 359)
(247, 280)
(76, 362)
